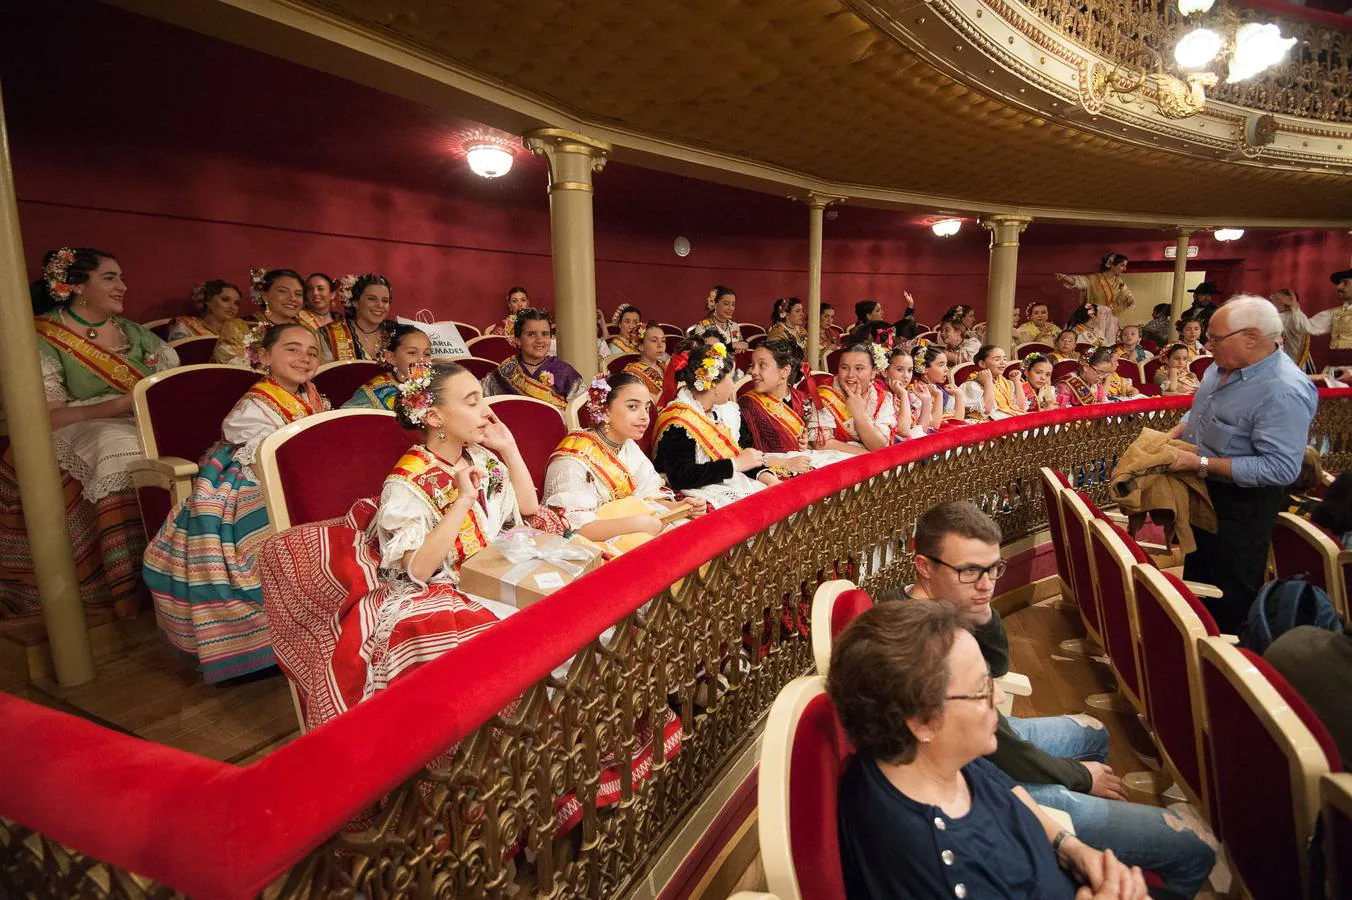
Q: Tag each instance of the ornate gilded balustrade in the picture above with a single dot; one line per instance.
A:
(1315, 82)
(479, 821)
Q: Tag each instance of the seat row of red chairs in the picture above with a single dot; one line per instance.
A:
(1244, 748)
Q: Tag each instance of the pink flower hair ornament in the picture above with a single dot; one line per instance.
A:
(57, 271)
(415, 392)
(597, 392)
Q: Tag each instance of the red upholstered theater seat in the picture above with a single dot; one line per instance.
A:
(750, 330)
(478, 366)
(194, 351)
(1077, 512)
(674, 341)
(1300, 547)
(1335, 794)
(338, 381)
(537, 427)
(803, 755)
(491, 347)
(1130, 371)
(1111, 560)
(835, 604)
(317, 467)
(1062, 369)
(833, 361)
(962, 372)
(1200, 365)
(618, 361)
(1032, 347)
(1171, 621)
(1268, 751)
(1052, 481)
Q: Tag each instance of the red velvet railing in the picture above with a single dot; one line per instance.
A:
(210, 829)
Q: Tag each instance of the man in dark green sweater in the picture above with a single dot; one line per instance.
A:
(1061, 760)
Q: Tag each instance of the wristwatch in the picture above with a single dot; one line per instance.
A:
(1203, 464)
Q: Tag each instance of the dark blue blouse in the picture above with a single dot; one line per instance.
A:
(892, 847)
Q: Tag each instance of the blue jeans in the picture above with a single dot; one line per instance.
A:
(1139, 834)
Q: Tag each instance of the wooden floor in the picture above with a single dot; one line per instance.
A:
(154, 693)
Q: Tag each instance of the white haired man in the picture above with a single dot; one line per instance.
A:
(1250, 421)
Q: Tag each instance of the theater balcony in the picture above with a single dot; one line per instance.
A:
(542, 758)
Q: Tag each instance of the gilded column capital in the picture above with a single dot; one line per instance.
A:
(820, 201)
(553, 143)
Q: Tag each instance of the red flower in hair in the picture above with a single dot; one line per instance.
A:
(679, 361)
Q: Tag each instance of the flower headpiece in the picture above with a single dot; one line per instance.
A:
(415, 392)
(879, 354)
(57, 271)
(620, 311)
(253, 345)
(706, 376)
(344, 290)
(1171, 348)
(1033, 359)
(918, 355)
(597, 392)
(256, 277)
(511, 323)
(198, 295)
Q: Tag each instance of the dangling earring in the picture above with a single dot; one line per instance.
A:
(441, 435)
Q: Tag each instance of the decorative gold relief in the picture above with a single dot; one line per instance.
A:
(478, 822)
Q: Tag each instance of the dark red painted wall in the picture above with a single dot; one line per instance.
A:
(201, 159)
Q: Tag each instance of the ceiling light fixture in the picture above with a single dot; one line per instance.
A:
(1257, 47)
(1228, 234)
(1193, 7)
(1197, 48)
(488, 160)
(946, 227)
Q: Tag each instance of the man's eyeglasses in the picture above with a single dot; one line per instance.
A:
(987, 694)
(972, 574)
(1213, 340)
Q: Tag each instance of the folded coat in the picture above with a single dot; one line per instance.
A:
(1142, 483)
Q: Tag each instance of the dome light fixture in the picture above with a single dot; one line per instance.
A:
(488, 160)
(1194, 7)
(946, 227)
(1257, 47)
(1197, 48)
(1228, 234)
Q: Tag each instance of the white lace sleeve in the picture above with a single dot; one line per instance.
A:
(568, 488)
(248, 424)
(53, 380)
(1321, 322)
(974, 397)
(166, 357)
(402, 524)
(886, 420)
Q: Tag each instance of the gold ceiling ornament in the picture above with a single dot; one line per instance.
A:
(1175, 98)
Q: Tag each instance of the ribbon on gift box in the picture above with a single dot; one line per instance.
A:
(527, 549)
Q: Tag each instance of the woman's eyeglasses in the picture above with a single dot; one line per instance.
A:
(987, 694)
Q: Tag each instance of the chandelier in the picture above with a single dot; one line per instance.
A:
(1211, 43)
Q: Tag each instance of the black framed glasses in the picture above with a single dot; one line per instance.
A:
(972, 574)
(987, 694)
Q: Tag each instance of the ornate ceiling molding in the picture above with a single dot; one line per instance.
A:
(1023, 61)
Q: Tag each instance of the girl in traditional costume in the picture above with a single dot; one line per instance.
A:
(1175, 377)
(960, 346)
(1039, 328)
(1107, 292)
(776, 413)
(788, 322)
(931, 369)
(201, 567)
(364, 332)
(630, 321)
(1190, 336)
(699, 436)
(601, 464)
(651, 366)
(214, 303)
(1095, 383)
(1085, 325)
(914, 409)
(1128, 345)
(1037, 383)
(856, 412)
(91, 358)
(988, 393)
(516, 302)
(279, 295)
(408, 345)
(319, 289)
(1064, 348)
(722, 304)
(866, 312)
(964, 315)
(533, 372)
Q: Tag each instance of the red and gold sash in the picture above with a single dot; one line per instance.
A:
(651, 376)
(781, 414)
(712, 437)
(1081, 394)
(283, 402)
(624, 344)
(195, 326)
(1004, 395)
(435, 483)
(604, 465)
(340, 340)
(513, 371)
(834, 404)
(120, 372)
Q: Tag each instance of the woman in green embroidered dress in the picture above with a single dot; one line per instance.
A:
(91, 358)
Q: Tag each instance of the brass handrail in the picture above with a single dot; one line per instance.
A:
(478, 821)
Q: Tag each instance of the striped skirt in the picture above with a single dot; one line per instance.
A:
(107, 538)
(203, 575)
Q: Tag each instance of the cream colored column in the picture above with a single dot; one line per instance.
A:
(572, 160)
(816, 207)
(1004, 272)
(30, 434)
(1180, 281)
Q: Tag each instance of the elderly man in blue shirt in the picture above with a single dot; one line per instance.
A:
(1250, 422)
